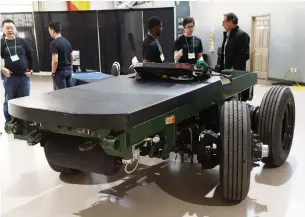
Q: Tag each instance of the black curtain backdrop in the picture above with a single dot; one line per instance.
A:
(130, 26)
(109, 39)
(80, 28)
(167, 37)
(25, 27)
(113, 28)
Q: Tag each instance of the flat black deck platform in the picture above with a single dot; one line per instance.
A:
(113, 103)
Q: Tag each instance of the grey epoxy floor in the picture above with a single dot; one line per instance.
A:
(29, 188)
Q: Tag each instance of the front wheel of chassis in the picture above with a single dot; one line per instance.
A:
(235, 150)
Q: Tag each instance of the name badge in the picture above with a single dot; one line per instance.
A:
(191, 55)
(14, 58)
(162, 57)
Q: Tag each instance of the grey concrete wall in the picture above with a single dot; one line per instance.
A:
(286, 34)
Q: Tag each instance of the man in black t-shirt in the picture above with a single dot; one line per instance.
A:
(152, 49)
(188, 48)
(61, 58)
(17, 65)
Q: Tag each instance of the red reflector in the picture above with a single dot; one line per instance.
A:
(84, 131)
(182, 66)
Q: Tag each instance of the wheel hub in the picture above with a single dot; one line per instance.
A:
(260, 150)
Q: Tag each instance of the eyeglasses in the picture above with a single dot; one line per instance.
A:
(190, 27)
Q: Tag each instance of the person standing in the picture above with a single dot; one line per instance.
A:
(236, 44)
(62, 58)
(151, 48)
(188, 48)
(235, 50)
(17, 68)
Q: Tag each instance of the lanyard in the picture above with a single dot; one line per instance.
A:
(159, 45)
(8, 48)
(188, 49)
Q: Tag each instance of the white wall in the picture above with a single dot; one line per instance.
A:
(157, 4)
(286, 33)
(15, 6)
(56, 5)
(102, 5)
(62, 5)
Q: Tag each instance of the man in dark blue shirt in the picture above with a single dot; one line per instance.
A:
(61, 58)
(152, 49)
(17, 68)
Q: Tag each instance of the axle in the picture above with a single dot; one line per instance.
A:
(254, 112)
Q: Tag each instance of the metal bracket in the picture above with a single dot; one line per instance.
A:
(135, 159)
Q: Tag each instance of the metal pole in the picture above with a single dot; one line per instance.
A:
(98, 40)
(35, 37)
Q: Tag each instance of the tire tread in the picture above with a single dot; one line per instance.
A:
(236, 150)
(273, 101)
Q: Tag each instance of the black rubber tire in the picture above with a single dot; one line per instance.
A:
(63, 151)
(62, 169)
(276, 110)
(235, 150)
(57, 168)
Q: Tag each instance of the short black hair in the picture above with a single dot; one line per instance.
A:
(232, 17)
(7, 21)
(55, 26)
(188, 20)
(153, 21)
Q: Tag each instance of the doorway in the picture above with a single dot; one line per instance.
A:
(260, 44)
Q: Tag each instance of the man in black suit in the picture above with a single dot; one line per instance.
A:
(235, 49)
(236, 44)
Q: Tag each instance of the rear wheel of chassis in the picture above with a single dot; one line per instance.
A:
(235, 150)
(57, 168)
(68, 154)
(54, 166)
(61, 169)
(276, 122)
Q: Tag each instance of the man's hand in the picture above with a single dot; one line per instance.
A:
(6, 72)
(29, 73)
(54, 63)
(179, 54)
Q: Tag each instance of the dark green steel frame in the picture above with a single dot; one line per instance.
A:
(121, 145)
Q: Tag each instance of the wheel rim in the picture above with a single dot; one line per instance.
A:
(287, 127)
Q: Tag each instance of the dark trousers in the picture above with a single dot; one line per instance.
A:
(14, 87)
(62, 79)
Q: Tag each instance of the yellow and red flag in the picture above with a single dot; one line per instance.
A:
(78, 5)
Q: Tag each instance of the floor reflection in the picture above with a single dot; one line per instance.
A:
(197, 193)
